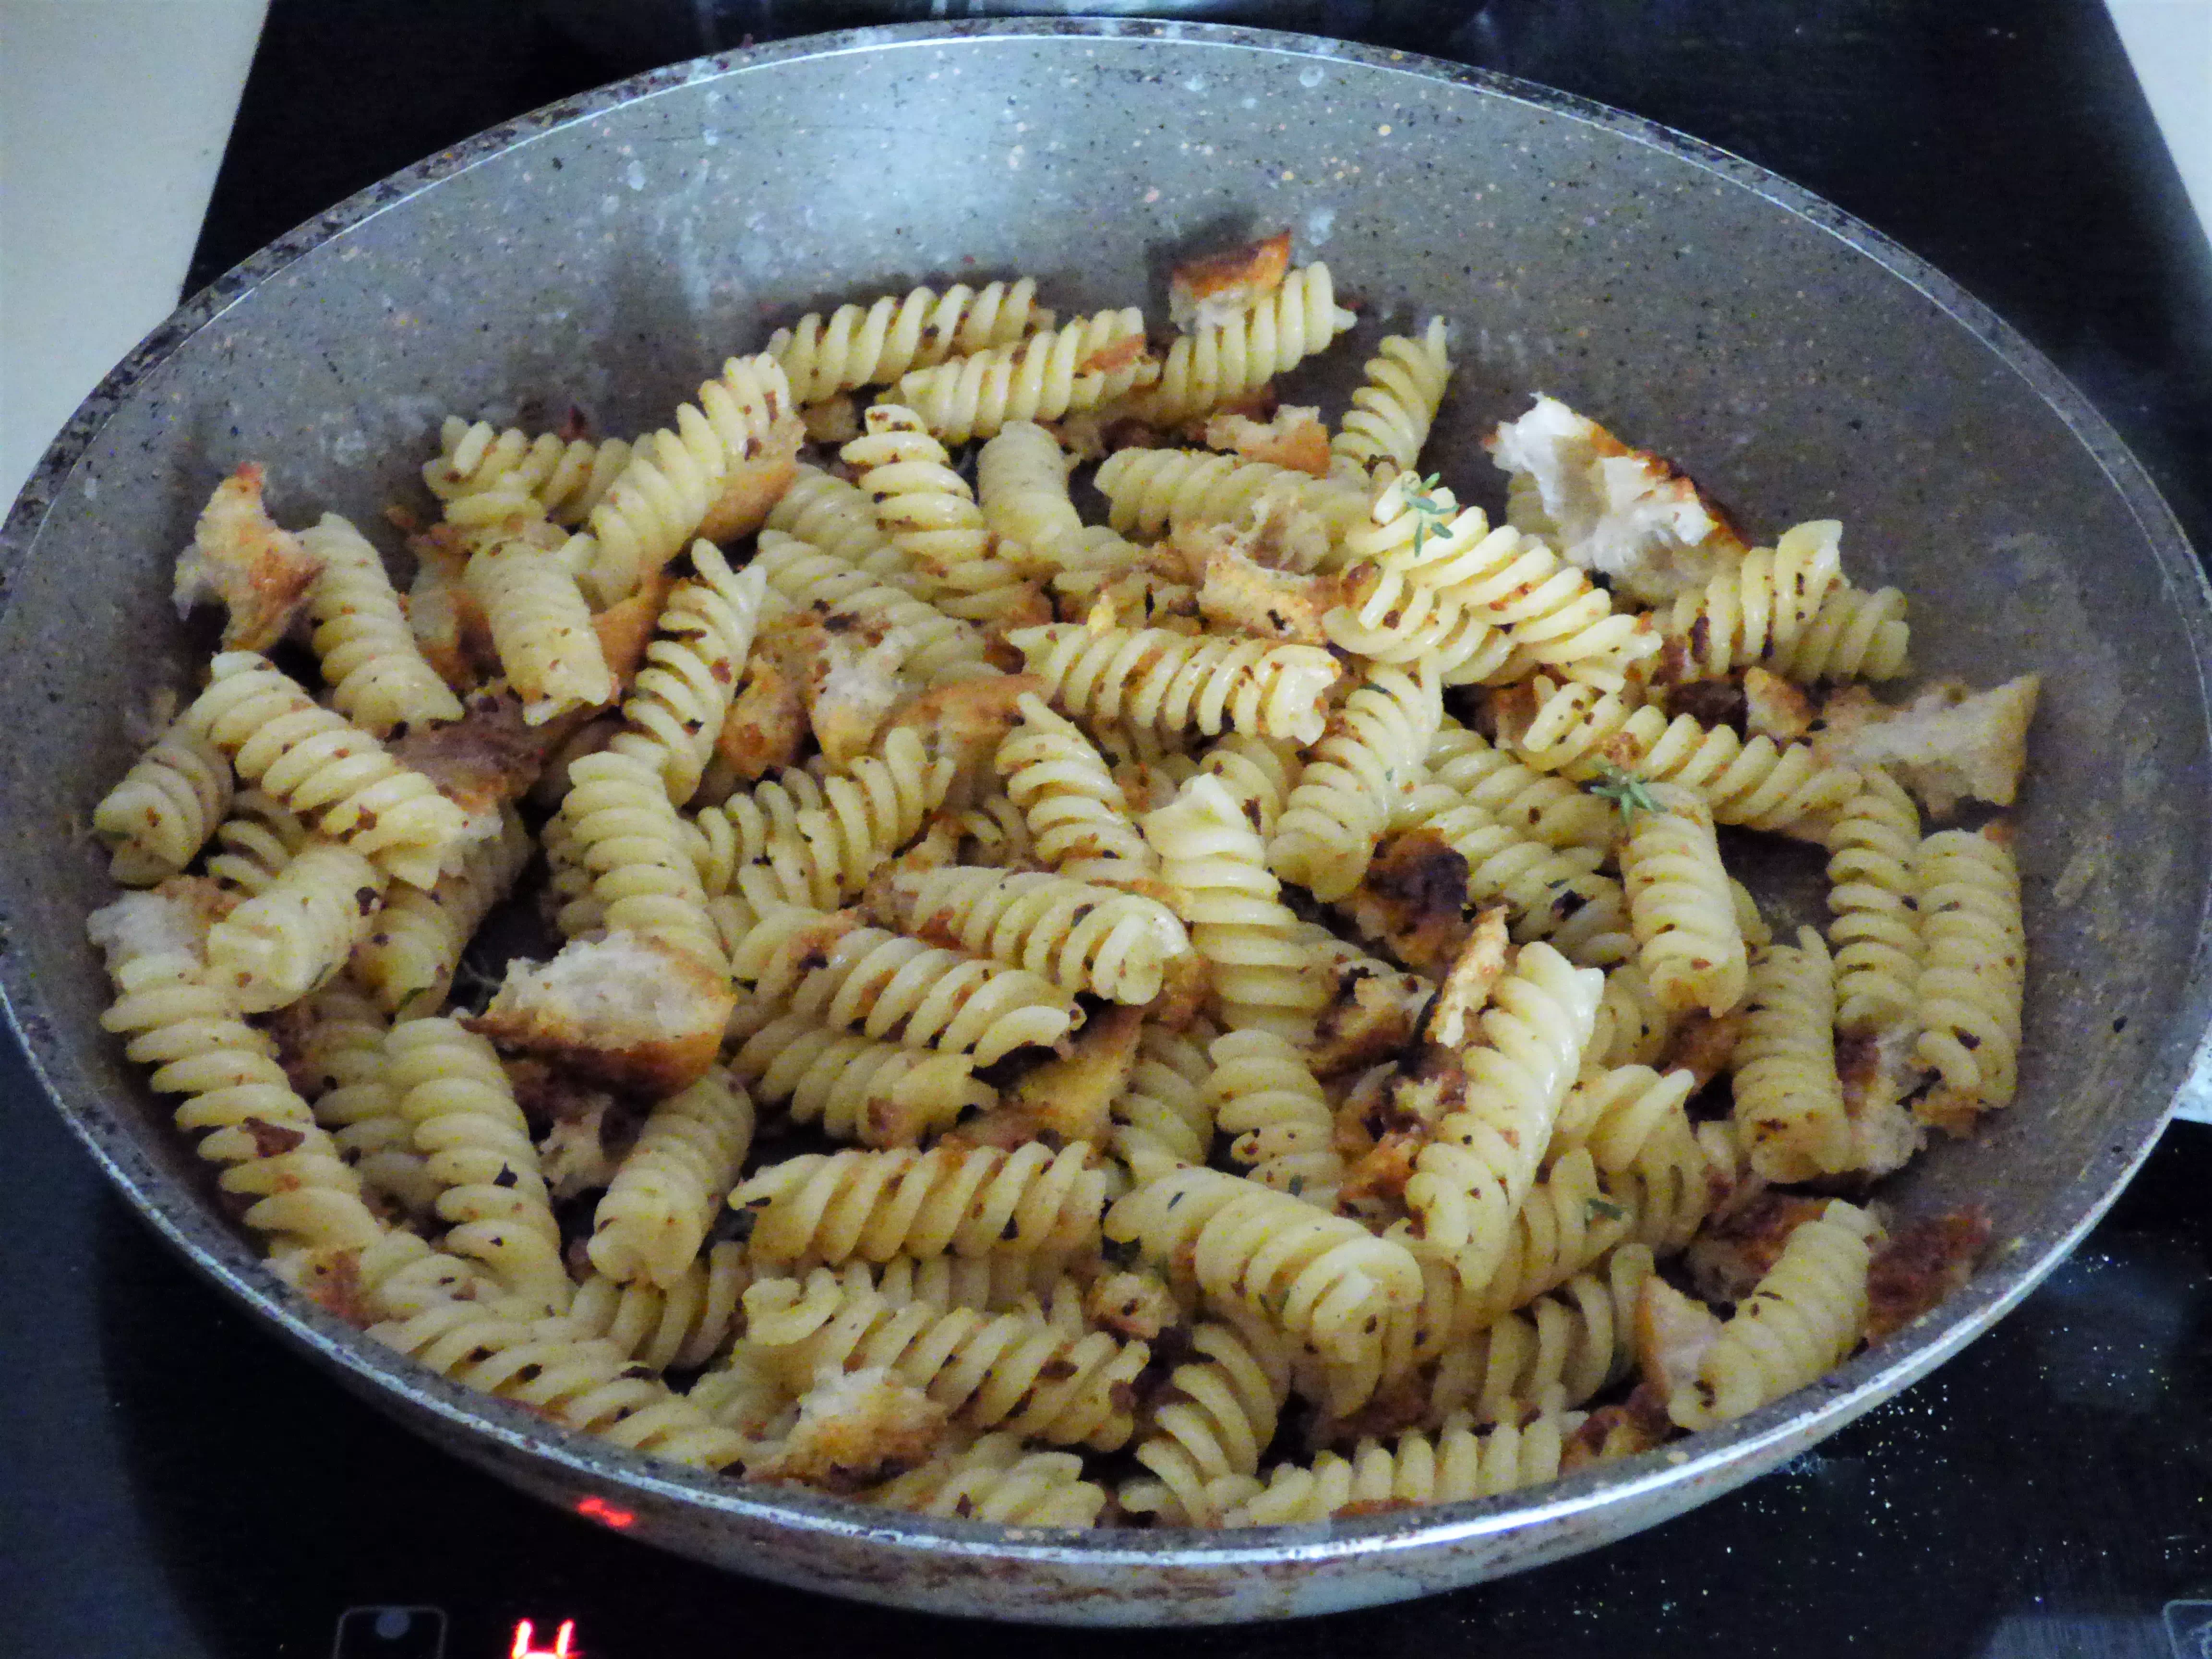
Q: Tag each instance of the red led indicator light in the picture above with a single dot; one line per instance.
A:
(563, 1642)
(599, 1509)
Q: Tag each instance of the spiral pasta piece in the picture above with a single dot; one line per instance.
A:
(837, 518)
(154, 822)
(1450, 1466)
(299, 931)
(1566, 1223)
(336, 777)
(1631, 1028)
(990, 1370)
(1074, 811)
(795, 839)
(1789, 1102)
(1806, 1314)
(880, 1094)
(643, 877)
(1973, 978)
(1021, 482)
(1577, 729)
(1687, 939)
(378, 676)
(1534, 805)
(1164, 1117)
(941, 649)
(1219, 364)
(994, 1480)
(682, 692)
(340, 1064)
(1146, 676)
(1471, 1177)
(1678, 1178)
(1551, 894)
(275, 1158)
(415, 941)
(476, 1145)
(876, 344)
(681, 1328)
(927, 511)
(1873, 898)
(1423, 551)
(964, 1201)
(1212, 1424)
(1215, 868)
(585, 1382)
(1322, 1279)
(1372, 751)
(255, 842)
(1259, 773)
(484, 475)
(1615, 1110)
(655, 508)
(541, 626)
(653, 1216)
(834, 970)
(1757, 611)
(1084, 362)
(1556, 1352)
(1262, 1092)
(1463, 646)
(1149, 491)
(1393, 409)
(1081, 937)
(1855, 636)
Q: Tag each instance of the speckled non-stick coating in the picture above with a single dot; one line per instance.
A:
(611, 252)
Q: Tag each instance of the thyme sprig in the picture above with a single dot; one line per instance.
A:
(1625, 789)
(1431, 516)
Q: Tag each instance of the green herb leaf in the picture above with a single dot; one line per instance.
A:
(1431, 516)
(1625, 789)
(1607, 1208)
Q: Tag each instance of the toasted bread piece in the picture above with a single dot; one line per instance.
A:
(448, 621)
(1773, 707)
(1414, 899)
(1136, 1305)
(1466, 991)
(1945, 745)
(1672, 1334)
(1295, 438)
(1219, 288)
(1923, 1261)
(625, 627)
(855, 1430)
(847, 672)
(755, 484)
(1736, 1251)
(1240, 592)
(965, 721)
(1370, 1014)
(1632, 517)
(622, 1009)
(1065, 1098)
(766, 728)
(1879, 1071)
(239, 556)
(1637, 1423)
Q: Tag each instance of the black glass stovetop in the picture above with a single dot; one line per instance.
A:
(173, 1483)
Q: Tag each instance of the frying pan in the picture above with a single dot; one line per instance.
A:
(610, 251)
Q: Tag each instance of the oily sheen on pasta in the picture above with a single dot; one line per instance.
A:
(791, 946)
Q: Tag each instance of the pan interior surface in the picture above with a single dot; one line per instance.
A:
(611, 254)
